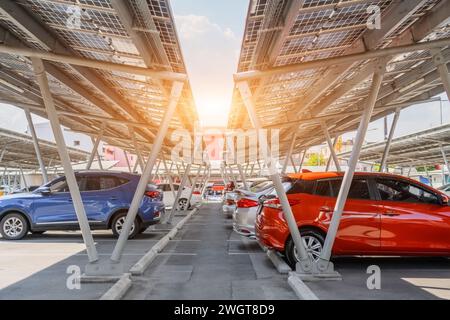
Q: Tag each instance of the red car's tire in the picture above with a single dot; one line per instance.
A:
(313, 241)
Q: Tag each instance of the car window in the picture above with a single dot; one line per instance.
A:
(261, 186)
(323, 188)
(302, 186)
(358, 190)
(402, 191)
(96, 183)
(59, 186)
(109, 183)
(286, 185)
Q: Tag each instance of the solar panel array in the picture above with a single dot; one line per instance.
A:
(93, 29)
(419, 149)
(19, 151)
(322, 29)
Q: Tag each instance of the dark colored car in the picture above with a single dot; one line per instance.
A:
(106, 197)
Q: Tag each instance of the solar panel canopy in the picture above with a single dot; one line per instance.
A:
(18, 152)
(132, 33)
(287, 33)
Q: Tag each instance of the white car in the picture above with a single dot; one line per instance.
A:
(169, 196)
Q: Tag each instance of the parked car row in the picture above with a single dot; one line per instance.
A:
(106, 197)
(385, 214)
(169, 196)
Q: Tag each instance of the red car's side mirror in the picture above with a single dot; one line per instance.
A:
(445, 200)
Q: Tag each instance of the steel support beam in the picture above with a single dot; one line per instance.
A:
(194, 185)
(127, 160)
(383, 165)
(140, 159)
(331, 157)
(90, 63)
(305, 262)
(23, 177)
(300, 166)
(324, 261)
(183, 182)
(442, 69)
(169, 177)
(37, 148)
(331, 146)
(243, 178)
(293, 164)
(320, 63)
(289, 153)
(41, 76)
(94, 151)
(177, 88)
(444, 156)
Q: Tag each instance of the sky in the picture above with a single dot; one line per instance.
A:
(210, 33)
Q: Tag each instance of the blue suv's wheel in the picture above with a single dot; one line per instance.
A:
(13, 226)
(118, 223)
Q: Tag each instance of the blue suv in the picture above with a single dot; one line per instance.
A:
(106, 197)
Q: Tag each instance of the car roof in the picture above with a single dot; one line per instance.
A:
(327, 175)
(105, 172)
(333, 174)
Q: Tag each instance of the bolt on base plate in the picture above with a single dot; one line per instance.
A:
(104, 269)
(326, 272)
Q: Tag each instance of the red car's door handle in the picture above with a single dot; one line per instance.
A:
(391, 214)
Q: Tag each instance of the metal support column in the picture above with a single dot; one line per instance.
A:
(187, 171)
(169, 176)
(127, 160)
(383, 165)
(444, 156)
(37, 148)
(243, 178)
(330, 158)
(251, 170)
(300, 166)
(331, 146)
(293, 164)
(324, 261)
(41, 76)
(175, 94)
(23, 177)
(289, 154)
(140, 160)
(136, 165)
(305, 264)
(194, 185)
(94, 151)
(441, 65)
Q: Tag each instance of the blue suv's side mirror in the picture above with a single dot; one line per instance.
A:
(45, 191)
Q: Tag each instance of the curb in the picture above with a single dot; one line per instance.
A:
(281, 266)
(139, 267)
(302, 291)
(119, 288)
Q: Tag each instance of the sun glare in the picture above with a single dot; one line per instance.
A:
(213, 111)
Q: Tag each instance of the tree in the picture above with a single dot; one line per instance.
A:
(316, 159)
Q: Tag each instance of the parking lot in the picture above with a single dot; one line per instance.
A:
(225, 150)
(206, 260)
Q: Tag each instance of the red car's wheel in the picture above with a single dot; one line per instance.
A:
(313, 241)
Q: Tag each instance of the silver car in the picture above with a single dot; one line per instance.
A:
(244, 216)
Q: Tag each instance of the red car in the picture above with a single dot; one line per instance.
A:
(385, 214)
